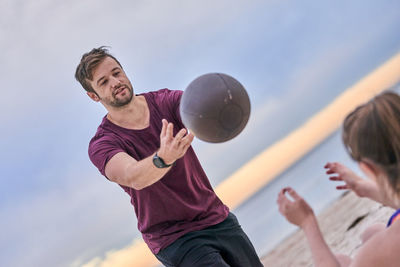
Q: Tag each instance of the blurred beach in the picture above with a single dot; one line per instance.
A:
(259, 215)
(341, 223)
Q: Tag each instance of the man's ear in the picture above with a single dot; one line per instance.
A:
(93, 96)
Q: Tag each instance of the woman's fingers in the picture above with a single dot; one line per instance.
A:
(331, 167)
(293, 194)
(342, 187)
(336, 178)
(283, 201)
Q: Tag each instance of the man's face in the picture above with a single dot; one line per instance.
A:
(110, 83)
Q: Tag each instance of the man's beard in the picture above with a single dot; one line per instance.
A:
(118, 102)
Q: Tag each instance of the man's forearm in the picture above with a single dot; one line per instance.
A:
(144, 173)
(321, 253)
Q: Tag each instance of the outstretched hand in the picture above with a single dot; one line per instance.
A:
(173, 148)
(342, 173)
(298, 211)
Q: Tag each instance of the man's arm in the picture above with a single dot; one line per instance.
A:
(125, 170)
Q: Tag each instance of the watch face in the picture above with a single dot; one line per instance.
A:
(158, 162)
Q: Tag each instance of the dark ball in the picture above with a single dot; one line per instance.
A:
(215, 107)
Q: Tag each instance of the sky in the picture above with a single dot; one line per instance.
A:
(293, 58)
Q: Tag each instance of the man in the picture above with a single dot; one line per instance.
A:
(142, 145)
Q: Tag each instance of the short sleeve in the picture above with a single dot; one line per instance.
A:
(175, 101)
(102, 149)
(172, 98)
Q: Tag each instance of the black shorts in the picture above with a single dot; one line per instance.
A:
(223, 244)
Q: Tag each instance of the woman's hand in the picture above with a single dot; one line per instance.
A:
(298, 211)
(341, 173)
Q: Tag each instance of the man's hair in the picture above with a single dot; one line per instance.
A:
(372, 132)
(89, 62)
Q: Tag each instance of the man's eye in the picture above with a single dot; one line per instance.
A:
(104, 82)
(116, 73)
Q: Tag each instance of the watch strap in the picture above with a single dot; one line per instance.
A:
(160, 163)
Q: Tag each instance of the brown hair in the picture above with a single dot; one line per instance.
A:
(89, 62)
(372, 132)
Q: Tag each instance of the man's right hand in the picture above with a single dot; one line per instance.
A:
(173, 148)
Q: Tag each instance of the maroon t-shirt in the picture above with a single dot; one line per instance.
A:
(180, 202)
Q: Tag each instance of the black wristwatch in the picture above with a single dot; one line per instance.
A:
(159, 162)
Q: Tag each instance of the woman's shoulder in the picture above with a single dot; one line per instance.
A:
(383, 249)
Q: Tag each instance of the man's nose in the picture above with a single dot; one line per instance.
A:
(115, 82)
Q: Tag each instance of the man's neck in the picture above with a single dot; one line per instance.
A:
(135, 115)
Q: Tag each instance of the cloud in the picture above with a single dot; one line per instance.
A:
(45, 41)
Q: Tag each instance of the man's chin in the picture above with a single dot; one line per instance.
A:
(122, 102)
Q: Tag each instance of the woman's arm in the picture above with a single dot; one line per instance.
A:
(299, 213)
(361, 187)
(321, 253)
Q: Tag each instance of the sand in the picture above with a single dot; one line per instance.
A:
(341, 224)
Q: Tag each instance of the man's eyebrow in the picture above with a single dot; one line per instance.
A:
(102, 78)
